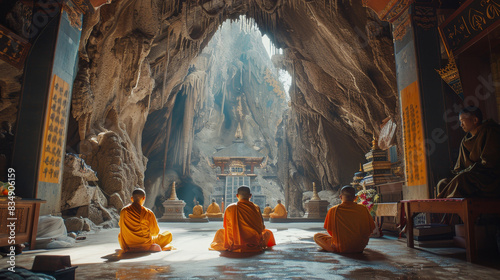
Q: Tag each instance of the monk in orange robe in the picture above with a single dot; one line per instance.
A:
(349, 225)
(279, 212)
(244, 229)
(267, 211)
(139, 230)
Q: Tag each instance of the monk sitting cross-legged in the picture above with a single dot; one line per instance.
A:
(267, 211)
(279, 212)
(244, 229)
(349, 225)
(477, 171)
(213, 210)
(139, 230)
(197, 212)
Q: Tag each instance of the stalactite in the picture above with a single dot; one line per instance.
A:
(167, 54)
(167, 138)
(249, 72)
(223, 99)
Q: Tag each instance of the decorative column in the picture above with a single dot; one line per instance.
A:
(49, 71)
(417, 54)
(174, 208)
(316, 208)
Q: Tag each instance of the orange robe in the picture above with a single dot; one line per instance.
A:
(243, 231)
(267, 211)
(349, 225)
(213, 211)
(197, 212)
(279, 212)
(139, 230)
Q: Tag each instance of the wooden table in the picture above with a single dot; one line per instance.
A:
(468, 209)
(26, 221)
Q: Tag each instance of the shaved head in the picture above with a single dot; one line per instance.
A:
(244, 192)
(213, 200)
(279, 201)
(138, 194)
(348, 192)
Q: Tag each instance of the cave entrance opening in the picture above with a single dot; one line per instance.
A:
(232, 101)
(250, 99)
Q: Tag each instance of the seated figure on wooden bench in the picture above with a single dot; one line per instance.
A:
(478, 165)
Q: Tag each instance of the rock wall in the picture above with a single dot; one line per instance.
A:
(134, 57)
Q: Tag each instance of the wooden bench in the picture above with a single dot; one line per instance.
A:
(468, 209)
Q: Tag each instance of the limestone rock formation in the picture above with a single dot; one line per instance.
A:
(135, 57)
(74, 224)
(82, 199)
(232, 82)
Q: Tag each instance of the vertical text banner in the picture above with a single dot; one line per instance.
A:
(54, 131)
(413, 135)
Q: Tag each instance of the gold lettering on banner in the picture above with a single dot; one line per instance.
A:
(465, 26)
(476, 19)
(54, 128)
(413, 136)
(492, 8)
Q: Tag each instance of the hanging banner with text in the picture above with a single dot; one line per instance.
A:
(472, 21)
(413, 136)
(54, 131)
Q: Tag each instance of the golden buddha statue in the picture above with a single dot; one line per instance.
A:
(197, 212)
(213, 210)
(267, 211)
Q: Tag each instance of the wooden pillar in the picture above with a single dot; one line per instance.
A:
(417, 54)
(40, 140)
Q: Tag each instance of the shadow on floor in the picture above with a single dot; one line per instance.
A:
(234, 255)
(367, 255)
(120, 255)
(485, 258)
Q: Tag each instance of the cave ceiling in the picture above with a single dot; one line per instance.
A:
(134, 57)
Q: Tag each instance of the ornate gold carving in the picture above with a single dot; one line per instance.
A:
(83, 6)
(451, 76)
(74, 15)
(400, 27)
(392, 9)
(234, 165)
(375, 143)
(13, 49)
(425, 17)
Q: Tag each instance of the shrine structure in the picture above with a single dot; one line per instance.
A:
(237, 163)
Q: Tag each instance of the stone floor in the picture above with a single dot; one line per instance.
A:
(295, 256)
